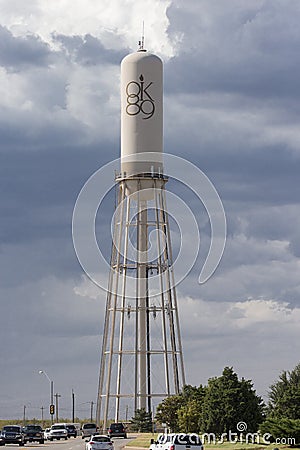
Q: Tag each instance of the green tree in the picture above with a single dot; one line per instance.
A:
(282, 428)
(190, 412)
(188, 417)
(251, 409)
(284, 395)
(215, 408)
(228, 401)
(142, 421)
(193, 393)
(167, 411)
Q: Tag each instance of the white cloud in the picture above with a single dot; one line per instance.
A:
(86, 288)
(104, 19)
(91, 98)
(215, 318)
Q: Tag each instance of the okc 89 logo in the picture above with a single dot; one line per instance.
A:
(139, 99)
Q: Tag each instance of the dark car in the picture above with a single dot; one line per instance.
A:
(117, 430)
(33, 433)
(71, 430)
(12, 434)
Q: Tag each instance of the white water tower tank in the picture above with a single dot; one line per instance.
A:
(141, 113)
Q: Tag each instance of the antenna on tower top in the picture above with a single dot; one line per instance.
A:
(141, 42)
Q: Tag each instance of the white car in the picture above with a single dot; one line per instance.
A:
(58, 431)
(99, 442)
(47, 433)
(177, 441)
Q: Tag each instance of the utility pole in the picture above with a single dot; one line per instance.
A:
(73, 406)
(24, 415)
(57, 396)
(92, 406)
(42, 409)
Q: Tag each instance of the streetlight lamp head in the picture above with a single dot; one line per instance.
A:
(43, 372)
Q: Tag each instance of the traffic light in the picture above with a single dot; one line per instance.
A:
(52, 409)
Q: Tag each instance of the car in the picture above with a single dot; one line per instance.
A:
(58, 431)
(71, 430)
(177, 441)
(77, 427)
(99, 442)
(33, 433)
(117, 430)
(12, 434)
(47, 433)
(88, 430)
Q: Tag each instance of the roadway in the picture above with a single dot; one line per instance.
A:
(71, 444)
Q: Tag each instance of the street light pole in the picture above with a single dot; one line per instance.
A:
(42, 372)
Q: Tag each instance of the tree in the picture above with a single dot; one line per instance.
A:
(251, 406)
(167, 411)
(142, 421)
(229, 401)
(282, 429)
(190, 412)
(216, 408)
(193, 393)
(178, 410)
(188, 417)
(284, 395)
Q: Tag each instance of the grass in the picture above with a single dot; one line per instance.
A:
(142, 440)
(237, 446)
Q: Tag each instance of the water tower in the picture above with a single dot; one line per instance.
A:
(141, 359)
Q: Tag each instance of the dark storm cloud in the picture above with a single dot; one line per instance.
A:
(255, 176)
(47, 153)
(89, 50)
(21, 52)
(251, 48)
(231, 107)
(275, 222)
(23, 131)
(40, 191)
(236, 76)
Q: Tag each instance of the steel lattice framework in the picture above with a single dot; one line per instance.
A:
(142, 359)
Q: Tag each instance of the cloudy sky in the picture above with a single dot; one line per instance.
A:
(232, 107)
